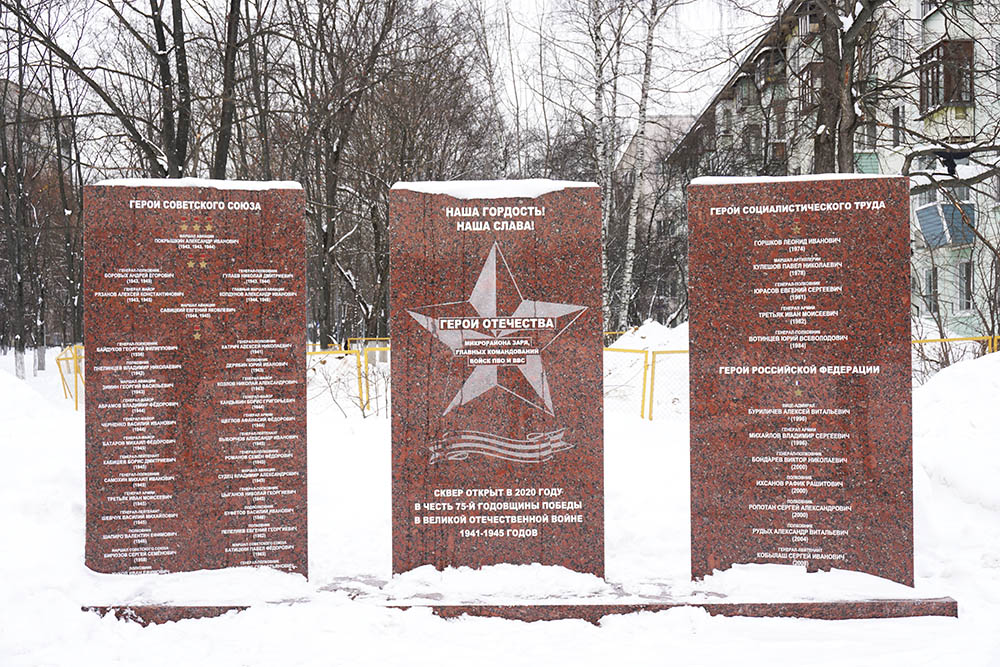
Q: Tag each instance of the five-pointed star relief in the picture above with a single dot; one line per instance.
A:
(496, 294)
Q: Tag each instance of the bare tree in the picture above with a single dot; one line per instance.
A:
(652, 16)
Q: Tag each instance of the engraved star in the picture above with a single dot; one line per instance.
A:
(196, 227)
(208, 228)
(495, 277)
(197, 336)
(203, 264)
(798, 392)
(184, 227)
(191, 265)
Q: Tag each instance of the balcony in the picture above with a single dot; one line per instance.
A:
(866, 162)
(950, 124)
(947, 95)
(941, 223)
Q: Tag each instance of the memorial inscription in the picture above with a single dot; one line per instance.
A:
(195, 404)
(800, 374)
(497, 421)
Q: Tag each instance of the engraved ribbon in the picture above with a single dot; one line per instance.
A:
(535, 448)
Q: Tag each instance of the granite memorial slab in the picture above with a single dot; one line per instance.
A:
(827, 611)
(195, 404)
(497, 402)
(800, 374)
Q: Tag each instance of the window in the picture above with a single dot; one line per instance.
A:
(705, 139)
(779, 154)
(746, 93)
(727, 121)
(897, 39)
(931, 290)
(865, 136)
(808, 19)
(810, 87)
(897, 126)
(928, 6)
(996, 65)
(778, 124)
(769, 68)
(927, 197)
(946, 75)
(751, 141)
(965, 285)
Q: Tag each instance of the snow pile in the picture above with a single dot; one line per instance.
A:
(498, 583)
(957, 452)
(339, 616)
(730, 180)
(525, 188)
(654, 336)
(200, 183)
(956, 430)
(21, 398)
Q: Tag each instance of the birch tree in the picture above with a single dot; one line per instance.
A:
(651, 17)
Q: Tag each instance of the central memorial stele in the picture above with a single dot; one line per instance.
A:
(497, 417)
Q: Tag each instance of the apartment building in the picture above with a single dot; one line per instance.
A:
(918, 95)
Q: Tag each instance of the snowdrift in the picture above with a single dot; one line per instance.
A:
(339, 617)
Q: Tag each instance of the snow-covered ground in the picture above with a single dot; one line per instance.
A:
(339, 617)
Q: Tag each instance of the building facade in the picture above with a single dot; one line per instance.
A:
(918, 94)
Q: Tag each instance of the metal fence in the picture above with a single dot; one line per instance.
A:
(643, 382)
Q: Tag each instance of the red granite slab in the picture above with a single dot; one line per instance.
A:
(800, 375)
(497, 426)
(146, 615)
(830, 611)
(195, 405)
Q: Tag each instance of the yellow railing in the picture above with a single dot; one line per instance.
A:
(71, 361)
(357, 362)
(72, 356)
(368, 390)
(992, 342)
(608, 334)
(363, 339)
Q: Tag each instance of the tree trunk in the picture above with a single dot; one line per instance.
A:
(228, 91)
(167, 130)
(829, 99)
(595, 24)
(638, 169)
(183, 88)
(848, 121)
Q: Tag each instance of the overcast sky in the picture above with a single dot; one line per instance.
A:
(698, 43)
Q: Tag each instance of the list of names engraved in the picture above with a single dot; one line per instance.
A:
(195, 401)
(800, 375)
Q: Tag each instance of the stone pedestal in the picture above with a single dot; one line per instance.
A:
(800, 374)
(195, 403)
(497, 452)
